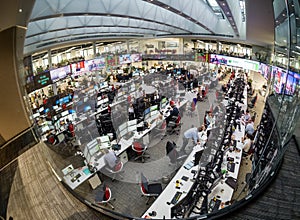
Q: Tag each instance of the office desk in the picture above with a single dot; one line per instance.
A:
(77, 177)
(162, 205)
(222, 190)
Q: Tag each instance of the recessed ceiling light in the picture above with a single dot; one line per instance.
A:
(20, 10)
(223, 4)
(227, 13)
(283, 14)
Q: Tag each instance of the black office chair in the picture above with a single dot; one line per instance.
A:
(174, 156)
(174, 125)
(152, 190)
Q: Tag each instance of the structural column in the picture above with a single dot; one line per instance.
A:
(13, 114)
(49, 59)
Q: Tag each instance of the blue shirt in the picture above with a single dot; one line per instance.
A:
(192, 133)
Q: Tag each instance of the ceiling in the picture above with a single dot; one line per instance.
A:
(53, 23)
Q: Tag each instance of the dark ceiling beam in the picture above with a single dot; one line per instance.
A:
(227, 12)
(180, 13)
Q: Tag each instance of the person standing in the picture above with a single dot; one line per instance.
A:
(191, 133)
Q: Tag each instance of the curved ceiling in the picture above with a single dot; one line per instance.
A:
(55, 22)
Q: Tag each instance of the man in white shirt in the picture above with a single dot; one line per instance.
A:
(250, 128)
(191, 133)
(111, 159)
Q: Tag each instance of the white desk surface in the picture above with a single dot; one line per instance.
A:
(84, 175)
(160, 206)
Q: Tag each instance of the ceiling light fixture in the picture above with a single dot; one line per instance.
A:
(20, 10)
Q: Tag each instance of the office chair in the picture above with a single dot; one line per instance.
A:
(152, 190)
(116, 171)
(104, 197)
(140, 150)
(174, 156)
(174, 125)
(159, 132)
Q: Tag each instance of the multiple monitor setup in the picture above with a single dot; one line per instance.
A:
(126, 129)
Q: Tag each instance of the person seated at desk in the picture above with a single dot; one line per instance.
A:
(110, 158)
(70, 129)
(246, 141)
(174, 111)
(249, 130)
(190, 133)
(156, 98)
(246, 117)
(139, 93)
(131, 115)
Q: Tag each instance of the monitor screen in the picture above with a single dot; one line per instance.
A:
(94, 149)
(153, 108)
(123, 132)
(154, 113)
(122, 126)
(147, 117)
(103, 85)
(147, 111)
(105, 100)
(132, 128)
(104, 139)
(132, 122)
(198, 155)
(64, 113)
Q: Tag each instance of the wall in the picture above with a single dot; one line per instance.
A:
(13, 116)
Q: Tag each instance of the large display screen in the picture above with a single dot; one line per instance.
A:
(265, 70)
(218, 59)
(59, 73)
(136, 57)
(234, 61)
(42, 80)
(95, 64)
(78, 68)
(279, 75)
(124, 59)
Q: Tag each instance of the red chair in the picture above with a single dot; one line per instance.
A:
(174, 125)
(140, 150)
(104, 197)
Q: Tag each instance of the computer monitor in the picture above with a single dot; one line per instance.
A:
(122, 127)
(103, 85)
(154, 113)
(104, 139)
(131, 122)
(36, 115)
(132, 128)
(64, 113)
(105, 100)
(153, 108)
(147, 117)
(163, 103)
(123, 132)
(198, 155)
(147, 111)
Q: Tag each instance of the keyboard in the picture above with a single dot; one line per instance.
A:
(176, 197)
(230, 167)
